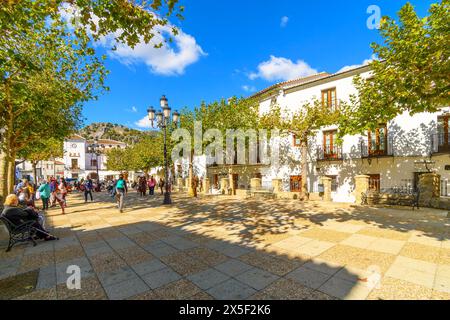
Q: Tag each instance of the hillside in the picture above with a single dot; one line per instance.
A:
(106, 130)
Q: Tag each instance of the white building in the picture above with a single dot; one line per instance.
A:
(393, 156)
(44, 169)
(80, 161)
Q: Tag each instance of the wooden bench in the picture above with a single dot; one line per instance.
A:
(19, 233)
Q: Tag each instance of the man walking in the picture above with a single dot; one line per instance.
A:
(121, 189)
(88, 187)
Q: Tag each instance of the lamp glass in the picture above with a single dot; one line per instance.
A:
(175, 116)
(151, 113)
(164, 102)
(166, 111)
(159, 117)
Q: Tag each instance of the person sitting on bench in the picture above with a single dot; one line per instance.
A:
(17, 216)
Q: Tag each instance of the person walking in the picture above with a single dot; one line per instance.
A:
(161, 185)
(58, 198)
(88, 187)
(151, 185)
(121, 190)
(63, 190)
(53, 185)
(44, 193)
(142, 186)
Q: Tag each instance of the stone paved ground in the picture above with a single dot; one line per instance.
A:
(224, 248)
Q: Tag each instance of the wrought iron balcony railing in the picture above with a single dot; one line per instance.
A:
(329, 153)
(381, 148)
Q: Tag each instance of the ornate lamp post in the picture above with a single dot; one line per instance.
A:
(162, 121)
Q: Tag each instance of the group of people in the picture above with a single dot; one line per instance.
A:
(49, 191)
(151, 184)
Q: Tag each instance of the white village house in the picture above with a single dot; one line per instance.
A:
(81, 161)
(395, 155)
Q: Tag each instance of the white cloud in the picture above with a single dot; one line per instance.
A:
(133, 109)
(248, 88)
(171, 59)
(278, 68)
(364, 63)
(143, 123)
(284, 21)
(168, 60)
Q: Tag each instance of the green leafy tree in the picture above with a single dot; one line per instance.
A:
(412, 73)
(232, 114)
(42, 150)
(303, 124)
(48, 69)
(118, 159)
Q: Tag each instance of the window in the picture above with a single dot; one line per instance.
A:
(333, 183)
(444, 187)
(93, 162)
(329, 99)
(296, 183)
(74, 163)
(329, 144)
(443, 134)
(297, 141)
(378, 141)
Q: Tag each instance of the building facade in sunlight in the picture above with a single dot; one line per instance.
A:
(80, 161)
(394, 156)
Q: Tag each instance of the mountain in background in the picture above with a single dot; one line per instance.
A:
(106, 130)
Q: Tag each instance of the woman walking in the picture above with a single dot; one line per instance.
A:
(151, 185)
(59, 199)
(142, 186)
(121, 188)
(63, 190)
(44, 192)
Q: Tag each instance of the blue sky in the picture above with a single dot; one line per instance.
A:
(236, 47)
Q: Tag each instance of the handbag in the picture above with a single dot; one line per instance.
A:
(38, 195)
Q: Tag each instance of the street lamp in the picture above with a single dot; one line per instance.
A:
(95, 149)
(162, 121)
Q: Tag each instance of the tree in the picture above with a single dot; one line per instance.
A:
(232, 114)
(118, 159)
(147, 154)
(45, 76)
(142, 156)
(41, 151)
(303, 124)
(412, 73)
(48, 69)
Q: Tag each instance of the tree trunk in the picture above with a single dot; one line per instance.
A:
(191, 174)
(3, 176)
(304, 190)
(34, 164)
(11, 174)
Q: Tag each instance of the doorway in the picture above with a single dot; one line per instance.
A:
(296, 183)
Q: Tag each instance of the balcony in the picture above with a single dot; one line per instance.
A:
(329, 153)
(440, 143)
(379, 149)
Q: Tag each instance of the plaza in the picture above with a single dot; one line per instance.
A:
(228, 247)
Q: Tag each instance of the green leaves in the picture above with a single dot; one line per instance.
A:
(146, 154)
(412, 74)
